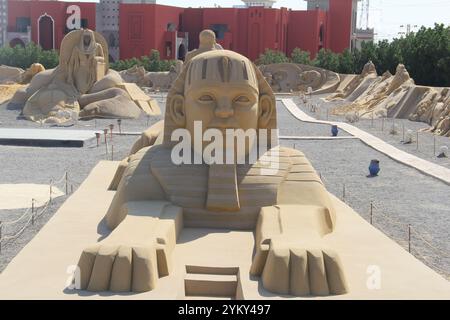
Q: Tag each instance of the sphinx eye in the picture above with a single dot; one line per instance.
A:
(206, 98)
(242, 99)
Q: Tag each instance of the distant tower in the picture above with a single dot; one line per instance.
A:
(259, 3)
(107, 23)
(3, 21)
(363, 20)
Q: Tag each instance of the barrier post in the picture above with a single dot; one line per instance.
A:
(67, 182)
(371, 212)
(409, 238)
(32, 211)
(51, 191)
(417, 140)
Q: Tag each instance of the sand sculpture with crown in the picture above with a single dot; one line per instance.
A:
(288, 209)
(82, 84)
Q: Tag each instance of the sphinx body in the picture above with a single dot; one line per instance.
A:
(288, 207)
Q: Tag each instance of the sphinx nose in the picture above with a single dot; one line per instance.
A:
(224, 109)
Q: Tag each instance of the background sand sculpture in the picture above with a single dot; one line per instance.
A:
(156, 80)
(289, 208)
(369, 95)
(291, 77)
(82, 86)
(13, 79)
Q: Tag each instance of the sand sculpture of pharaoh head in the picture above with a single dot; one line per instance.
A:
(207, 42)
(223, 90)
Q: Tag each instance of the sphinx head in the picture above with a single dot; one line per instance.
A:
(224, 91)
(207, 39)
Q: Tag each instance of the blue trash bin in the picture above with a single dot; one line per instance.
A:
(334, 130)
(374, 167)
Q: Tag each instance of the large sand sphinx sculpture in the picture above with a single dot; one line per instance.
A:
(83, 85)
(288, 208)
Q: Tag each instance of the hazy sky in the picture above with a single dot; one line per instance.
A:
(386, 16)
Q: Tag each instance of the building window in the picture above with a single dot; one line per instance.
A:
(22, 24)
(219, 30)
(171, 27)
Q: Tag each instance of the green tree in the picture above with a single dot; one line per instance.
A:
(271, 56)
(301, 57)
(327, 59)
(346, 63)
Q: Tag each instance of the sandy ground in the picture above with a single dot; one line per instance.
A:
(404, 194)
(7, 91)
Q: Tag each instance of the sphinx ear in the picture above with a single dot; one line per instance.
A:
(266, 109)
(176, 110)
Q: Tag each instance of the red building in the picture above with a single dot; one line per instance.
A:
(248, 31)
(173, 31)
(44, 22)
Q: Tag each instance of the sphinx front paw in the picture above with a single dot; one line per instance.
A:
(294, 270)
(118, 268)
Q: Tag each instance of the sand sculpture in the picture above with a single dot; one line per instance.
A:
(156, 80)
(10, 74)
(207, 42)
(289, 209)
(135, 74)
(82, 85)
(394, 96)
(291, 77)
(380, 96)
(12, 79)
(369, 72)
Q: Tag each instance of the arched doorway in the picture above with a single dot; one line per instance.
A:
(16, 42)
(46, 27)
(181, 52)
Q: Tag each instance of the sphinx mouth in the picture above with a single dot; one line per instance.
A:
(224, 124)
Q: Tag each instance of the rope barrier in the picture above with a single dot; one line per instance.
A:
(8, 223)
(434, 266)
(19, 232)
(429, 244)
(380, 211)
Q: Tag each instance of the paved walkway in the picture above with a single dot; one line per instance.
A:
(424, 166)
(316, 138)
(45, 137)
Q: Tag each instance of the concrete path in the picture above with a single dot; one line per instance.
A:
(316, 137)
(424, 166)
(45, 137)
(18, 196)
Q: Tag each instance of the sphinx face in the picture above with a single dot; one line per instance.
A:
(225, 107)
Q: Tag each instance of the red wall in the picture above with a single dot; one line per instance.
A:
(339, 25)
(55, 9)
(304, 29)
(143, 27)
